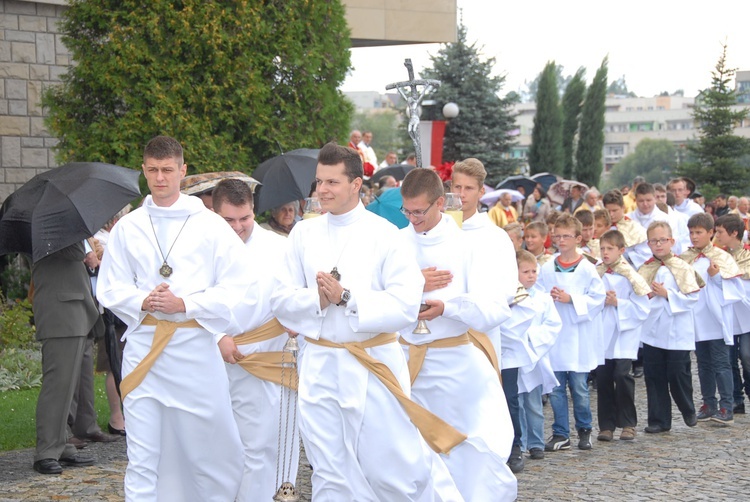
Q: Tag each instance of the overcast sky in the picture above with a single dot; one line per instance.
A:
(658, 45)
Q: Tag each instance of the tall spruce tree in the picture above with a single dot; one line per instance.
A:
(591, 131)
(482, 129)
(718, 154)
(572, 104)
(546, 152)
(230, 80)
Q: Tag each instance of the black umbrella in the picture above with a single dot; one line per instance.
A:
(64, 205)
(112, 344)
(285, 178)
(513, 182)
(546, 179)
(398, 171)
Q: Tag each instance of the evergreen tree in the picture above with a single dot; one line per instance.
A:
(572, 104)
(482, 128)
(719, 154)
(654, 159)
(591, 132)
(546, 152)
(232, 81)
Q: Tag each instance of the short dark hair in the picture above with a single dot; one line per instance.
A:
(332, 154)
(613, 197)
(567, 221)
(585, 216)
(234, 192)
(701, 220)
(732, 223)
(422, 181)
(602, 214)
(163, 147)
(645, 189)
(613, 237)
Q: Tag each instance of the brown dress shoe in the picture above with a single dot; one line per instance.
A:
(627, 434)
(77, 442)
(605, 436)
(100, 437)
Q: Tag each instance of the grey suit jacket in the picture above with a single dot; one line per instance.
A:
(63, 302)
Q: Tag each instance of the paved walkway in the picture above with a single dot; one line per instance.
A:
(708, 462)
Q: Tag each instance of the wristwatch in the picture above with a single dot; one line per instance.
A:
(345, 296)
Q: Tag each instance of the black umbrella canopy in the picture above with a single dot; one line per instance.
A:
(64, 205)
(546, 179)
(285, 178)
(398, 171)
(513, 182)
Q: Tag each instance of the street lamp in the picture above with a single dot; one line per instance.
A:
(450, 111)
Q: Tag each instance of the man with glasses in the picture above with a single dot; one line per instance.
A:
(450, 376)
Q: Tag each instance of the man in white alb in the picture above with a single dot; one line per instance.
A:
(173, 271)
(252, 350)
(347, 285)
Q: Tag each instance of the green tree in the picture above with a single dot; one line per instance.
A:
(591, 132)
(718, 154)
(533, 87)
(654, 159)
(482, 128)
(546, 152)
(232, 81)
(572, 104)
(620, 88)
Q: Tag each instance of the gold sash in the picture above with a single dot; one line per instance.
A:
(480, 341)
(440, 435)
(543, 258)
(623, 268)
(633, 232)
(688, 280)
(742, 258)
(267, 366)
(162, 336)
(728, 268)
(417, 353)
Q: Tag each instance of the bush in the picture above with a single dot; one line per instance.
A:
(15, 324)
(20, 369)
(15, 277)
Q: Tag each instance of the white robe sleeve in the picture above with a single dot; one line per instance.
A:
(590, 303)
(632, 311)
(678, 302)
(721, 295)
(544, 335)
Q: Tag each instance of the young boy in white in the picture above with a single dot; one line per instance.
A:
(668, 334)
(713, 318)
(537, 318)
(637, 251)
(626, 307)
(579, 295)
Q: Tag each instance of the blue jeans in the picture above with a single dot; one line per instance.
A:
(579, 391)
(510, 388)
(531, 416)
(714, 370)
(740, 352)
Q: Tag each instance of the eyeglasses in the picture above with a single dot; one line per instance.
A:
(418, 214)
(563, 237)
(660, 242)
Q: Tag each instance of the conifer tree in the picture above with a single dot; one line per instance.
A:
(232, 81)
(591, 130)
(572, 104)
(483, 126)
(719, 164)
(545, 152)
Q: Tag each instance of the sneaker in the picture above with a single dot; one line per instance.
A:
(605, 436)
(556, 443)
(515, 461)
(739, 409)
(723, 416)
(627, 434)
(705, 413)
(584, 439)
(536, 454)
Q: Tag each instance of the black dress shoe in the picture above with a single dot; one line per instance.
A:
(655, 429)
(739, 409)
(116, 432)
(100, 437)
(690, 420)
(77, 460)
(47, 466)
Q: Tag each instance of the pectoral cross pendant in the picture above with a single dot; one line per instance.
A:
(165, 270)
(335, 274)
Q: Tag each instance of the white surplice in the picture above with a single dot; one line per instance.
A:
(357, 436)
(669, 324)
(459, 384)
(256, 403)
(658, 215)
(714, 314)
(543, 333)
(580, 345)
(183, 443)
(622, 324)
(496, 255)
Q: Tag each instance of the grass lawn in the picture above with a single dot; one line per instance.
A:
(18, 409)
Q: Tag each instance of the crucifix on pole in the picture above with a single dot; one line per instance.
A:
(413, 99)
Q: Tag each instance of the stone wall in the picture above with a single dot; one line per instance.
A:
(32, 58)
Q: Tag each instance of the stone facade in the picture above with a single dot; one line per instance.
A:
(32, 58)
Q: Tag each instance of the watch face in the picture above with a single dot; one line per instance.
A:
(345, 295)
